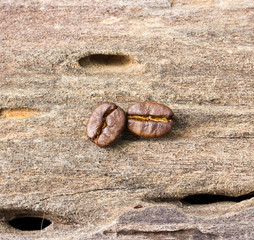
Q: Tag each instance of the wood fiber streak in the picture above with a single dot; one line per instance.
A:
(196, 57)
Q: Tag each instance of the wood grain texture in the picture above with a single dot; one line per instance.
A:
(194, 56)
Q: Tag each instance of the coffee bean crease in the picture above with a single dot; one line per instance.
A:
(104, 123)
(149, 118)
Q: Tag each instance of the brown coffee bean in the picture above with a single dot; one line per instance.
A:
(148, 119)
(106, 124)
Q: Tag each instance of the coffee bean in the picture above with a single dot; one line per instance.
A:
(106, 124)
(148, 119)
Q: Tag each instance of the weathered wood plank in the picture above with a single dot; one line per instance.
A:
(193, 56)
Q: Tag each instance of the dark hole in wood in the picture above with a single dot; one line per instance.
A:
(105, 60)
(208, 198)
(30, 223)
(201, 199)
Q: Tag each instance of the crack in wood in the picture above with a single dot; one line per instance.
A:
(202, 199)
(172, 3)
(155, 234)
(84, 192)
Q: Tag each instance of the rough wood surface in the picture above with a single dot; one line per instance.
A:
(197, 57)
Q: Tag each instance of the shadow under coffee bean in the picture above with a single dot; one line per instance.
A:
(148, 119)
(106, 124)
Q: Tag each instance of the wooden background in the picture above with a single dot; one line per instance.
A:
(195, 56)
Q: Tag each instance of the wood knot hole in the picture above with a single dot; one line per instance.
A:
(106, 60)
(17, 113)
(209, 198)
(30, 223)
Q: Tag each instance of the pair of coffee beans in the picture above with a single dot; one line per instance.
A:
(146, 119)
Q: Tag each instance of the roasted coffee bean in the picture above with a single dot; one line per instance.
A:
(106, 124)
(148, 119)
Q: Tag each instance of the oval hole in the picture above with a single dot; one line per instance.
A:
(17, 113)
(208, 198)
(30, 223)
(106, 60)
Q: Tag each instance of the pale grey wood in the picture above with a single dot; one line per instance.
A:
(193, 56)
